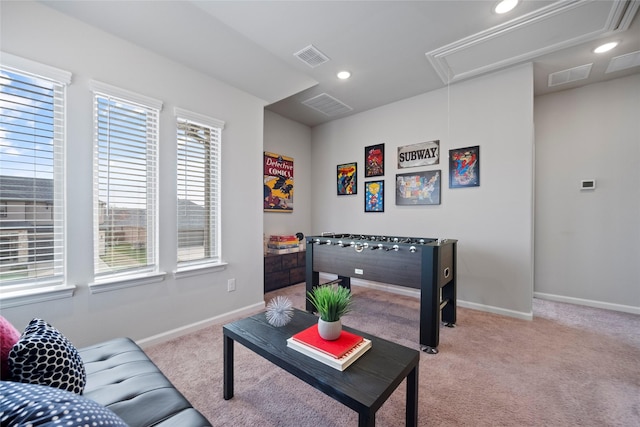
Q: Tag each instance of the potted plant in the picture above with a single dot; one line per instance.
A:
(331, 302)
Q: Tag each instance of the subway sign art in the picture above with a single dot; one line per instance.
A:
(422, 154)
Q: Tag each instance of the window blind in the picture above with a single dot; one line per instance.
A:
(125, 157)
(198, 189)
(32, 128)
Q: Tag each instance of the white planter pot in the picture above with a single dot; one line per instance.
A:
(329, 330)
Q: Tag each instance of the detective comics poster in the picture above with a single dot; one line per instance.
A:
(278, 183)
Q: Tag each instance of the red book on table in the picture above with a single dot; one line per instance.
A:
(336, 348)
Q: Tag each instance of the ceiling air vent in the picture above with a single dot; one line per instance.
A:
(570, 75)
(327, 104)
(311, 56)
(623, 62)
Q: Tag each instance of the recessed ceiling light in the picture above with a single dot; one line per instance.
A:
(605, 47)
(505, 6)
(343, 75)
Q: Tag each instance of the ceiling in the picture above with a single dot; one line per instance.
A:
(393, 49)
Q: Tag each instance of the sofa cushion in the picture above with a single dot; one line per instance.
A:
(42, 406)
(9, 336)
(121, 377)
(44, 356)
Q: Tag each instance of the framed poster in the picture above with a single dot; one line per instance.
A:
(347, 179)
(418, 188)
(374, 196)
(374, 160)
(464, 167)
(278, 183)
(422, 154)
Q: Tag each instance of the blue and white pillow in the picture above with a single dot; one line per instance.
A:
(44, 356)
(42, 406)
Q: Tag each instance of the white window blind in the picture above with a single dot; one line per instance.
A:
(198, 188)
(125, 193)
(32, 131)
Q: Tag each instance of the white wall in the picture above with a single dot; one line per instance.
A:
(292, 139)
(588, 242)
(493, 222)
(36, 32)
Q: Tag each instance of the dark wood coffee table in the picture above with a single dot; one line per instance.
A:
(364, 386)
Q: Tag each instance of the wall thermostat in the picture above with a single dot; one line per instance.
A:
(588, 184)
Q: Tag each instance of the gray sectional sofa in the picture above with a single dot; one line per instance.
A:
(46, 381)
(121, 377)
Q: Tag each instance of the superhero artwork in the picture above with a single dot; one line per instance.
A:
(374, 160)
(278, 183)
(464, 167)
(347, 179)
(374, 196)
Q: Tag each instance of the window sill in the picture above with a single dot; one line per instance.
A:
(32, 296)
(194, 270)
(123, 282)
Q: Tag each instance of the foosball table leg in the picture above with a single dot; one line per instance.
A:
(430, 350)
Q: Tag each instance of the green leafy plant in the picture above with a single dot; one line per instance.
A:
(331, 302)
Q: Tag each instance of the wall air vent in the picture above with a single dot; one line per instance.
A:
(623, 62)
(570, 75)
(327, 104)
(311, 56)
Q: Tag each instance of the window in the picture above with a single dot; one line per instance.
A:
(198, 142)
(125, 194)
(32, 129)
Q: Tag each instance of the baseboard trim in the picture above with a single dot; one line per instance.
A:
(184, 330)
(411, 292)
(496, 310)
(587, 302)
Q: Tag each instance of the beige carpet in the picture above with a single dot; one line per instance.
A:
(570, 366)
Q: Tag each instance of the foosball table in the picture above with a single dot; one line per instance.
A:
(426, 264)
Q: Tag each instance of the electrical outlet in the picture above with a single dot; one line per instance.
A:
(231, 285)
(359, 271)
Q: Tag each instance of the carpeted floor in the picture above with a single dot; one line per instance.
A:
(570, 366)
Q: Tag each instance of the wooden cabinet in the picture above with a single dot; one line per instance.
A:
(283, 270)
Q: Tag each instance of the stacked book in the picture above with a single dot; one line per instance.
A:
(338, 354)
(282, 244)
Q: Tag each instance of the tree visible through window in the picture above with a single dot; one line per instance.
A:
(198, 189)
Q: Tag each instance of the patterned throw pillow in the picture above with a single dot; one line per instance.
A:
(9, 336)
(41, 406)
(44, 356)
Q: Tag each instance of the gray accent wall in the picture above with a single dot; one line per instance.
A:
(588, 241)
(493, 222)
(586, 244)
